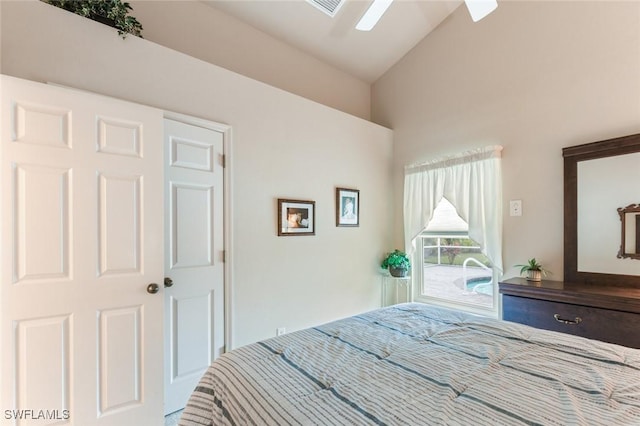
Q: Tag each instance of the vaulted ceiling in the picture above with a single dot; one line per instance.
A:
(364, 54)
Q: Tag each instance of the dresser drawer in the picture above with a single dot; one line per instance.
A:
(610, 326)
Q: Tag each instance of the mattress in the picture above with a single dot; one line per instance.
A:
(415, 364)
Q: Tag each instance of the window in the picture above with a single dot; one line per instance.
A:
(453, 227)
(454, 269)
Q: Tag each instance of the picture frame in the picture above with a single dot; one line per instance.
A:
(296, 217)
(347, 207)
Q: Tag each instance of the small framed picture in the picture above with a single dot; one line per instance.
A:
(296, 217)
(347, 207)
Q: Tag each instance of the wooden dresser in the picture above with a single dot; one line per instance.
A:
(610, 314)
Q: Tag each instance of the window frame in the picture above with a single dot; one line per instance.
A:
(417, 264)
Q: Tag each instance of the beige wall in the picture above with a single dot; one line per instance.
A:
(283, 146)
(534, 77)
(213, 36)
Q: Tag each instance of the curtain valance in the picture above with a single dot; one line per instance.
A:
(472, 182)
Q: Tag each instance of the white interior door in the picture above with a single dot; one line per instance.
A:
(82, 238)
(194, 304)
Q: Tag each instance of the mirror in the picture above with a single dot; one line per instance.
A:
(630, 225)
(599, 178)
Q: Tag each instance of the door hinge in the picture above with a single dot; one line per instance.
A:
(223, 160)
(224, 256)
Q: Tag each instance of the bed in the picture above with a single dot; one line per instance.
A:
(413, 364)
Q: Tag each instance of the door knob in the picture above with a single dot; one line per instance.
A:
(168, 282)
(153, 288)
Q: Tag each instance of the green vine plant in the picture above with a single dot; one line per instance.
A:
(114, 13)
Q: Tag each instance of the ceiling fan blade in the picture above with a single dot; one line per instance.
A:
(373, 14)
(478, 9)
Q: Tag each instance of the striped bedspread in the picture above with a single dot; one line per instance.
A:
(413, 364)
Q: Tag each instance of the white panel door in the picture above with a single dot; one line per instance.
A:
(194, 304)
(82, 238)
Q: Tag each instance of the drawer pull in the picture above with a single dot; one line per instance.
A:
(578, 320)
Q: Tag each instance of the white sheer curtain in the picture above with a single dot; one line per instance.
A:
(472, 182)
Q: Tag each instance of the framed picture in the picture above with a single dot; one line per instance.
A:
(347, 207)
(296, 217)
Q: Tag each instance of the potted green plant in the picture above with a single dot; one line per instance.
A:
(533, 269)
(397, 262)
(114, 13)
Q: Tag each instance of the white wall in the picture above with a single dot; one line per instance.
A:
(534, 77)
(213, 36)
(283, 146)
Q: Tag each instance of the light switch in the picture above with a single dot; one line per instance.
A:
(515, 208)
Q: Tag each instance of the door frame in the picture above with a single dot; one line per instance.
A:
(225, 129)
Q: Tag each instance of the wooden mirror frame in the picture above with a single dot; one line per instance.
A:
(631, 208)
(572, 155)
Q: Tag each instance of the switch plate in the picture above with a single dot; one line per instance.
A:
(515, 208)
(280, 331)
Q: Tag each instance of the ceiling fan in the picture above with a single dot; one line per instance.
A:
(478, 9)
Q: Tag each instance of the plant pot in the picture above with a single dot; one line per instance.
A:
(534, 275)
(398, 272)
(104, 20)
